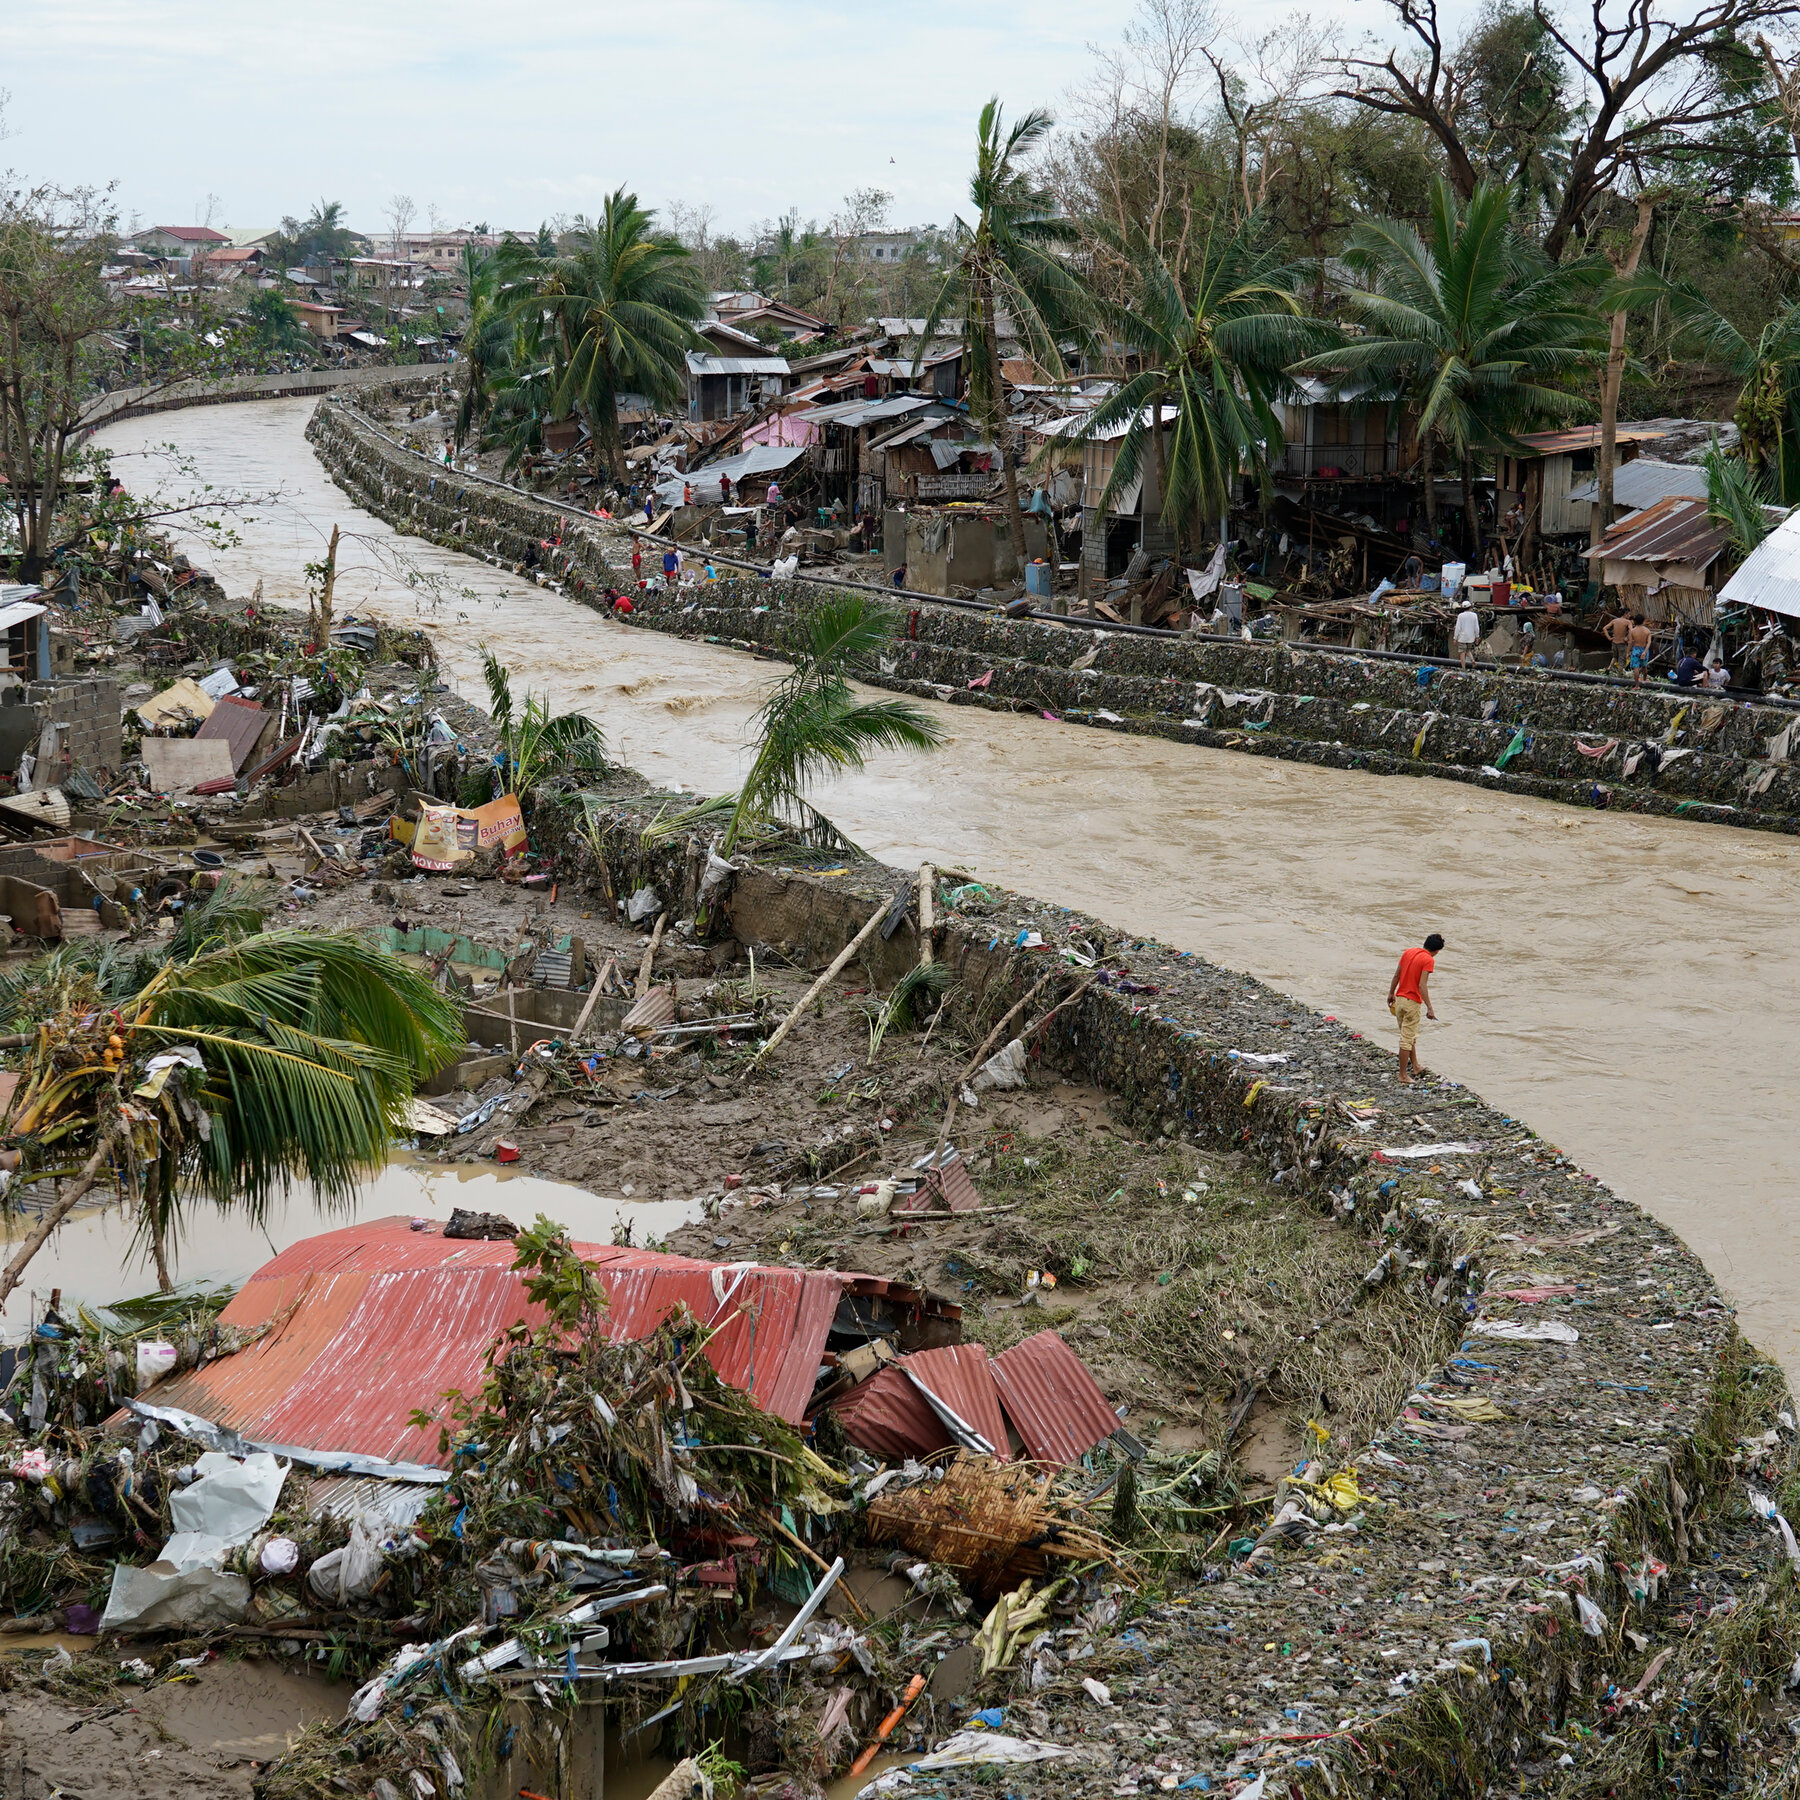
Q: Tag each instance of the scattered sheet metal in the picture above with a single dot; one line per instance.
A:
(239, 723)
(179, 765)
(890, 1415)
(336, 1385)
(1052, 1399)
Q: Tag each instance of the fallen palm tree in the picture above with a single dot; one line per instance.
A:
(222, 1065)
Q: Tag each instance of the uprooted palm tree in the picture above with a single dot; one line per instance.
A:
(536, 744)
(814, 723)
(1011, 274)
(221, 1067)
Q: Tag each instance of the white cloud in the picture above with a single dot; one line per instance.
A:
(512, 113)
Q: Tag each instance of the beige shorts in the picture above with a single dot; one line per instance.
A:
(1407, 1012)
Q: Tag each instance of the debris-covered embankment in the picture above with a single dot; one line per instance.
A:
(1555, 1507)
(1580, 741)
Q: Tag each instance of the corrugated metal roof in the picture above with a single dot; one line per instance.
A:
(1645, 481)
(240, 723)
(16, 612)
(1585, 437)
(1770, 575)
(888, 1415)
(1675, 530)
(375, 1320)
(1049, 1395)
(700, 364)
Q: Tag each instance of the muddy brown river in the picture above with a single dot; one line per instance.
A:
(1597, 980)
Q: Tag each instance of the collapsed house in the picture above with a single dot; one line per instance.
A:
(376, 1320)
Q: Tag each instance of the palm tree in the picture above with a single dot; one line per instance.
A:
(509, 374)
(1473, 323)
(1011, 274)
(813, 723)
(282, 1054)
(1218, 356)
(622, 300)
(1766, 369)
(535, 743)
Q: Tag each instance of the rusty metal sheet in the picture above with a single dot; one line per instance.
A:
(888, 1414)
(239, 723)
(375, 1320)
(1584, 437)
(1675, 530)
(1052, 1399)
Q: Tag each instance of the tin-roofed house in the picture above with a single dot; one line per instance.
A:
(1661, 560)
(1542, 476)
(736, 374)
(1642, 482)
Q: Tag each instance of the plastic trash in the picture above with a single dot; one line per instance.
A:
(962, 1749)
(646, 903)
(1517, 1331)
(280, 1556)
(1097, 1691)
(154, 1361)
(1593, 1620)
(1004, 1069)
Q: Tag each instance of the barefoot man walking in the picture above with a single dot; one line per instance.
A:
(1409, 993)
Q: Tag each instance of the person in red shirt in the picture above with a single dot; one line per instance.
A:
(1409, 993)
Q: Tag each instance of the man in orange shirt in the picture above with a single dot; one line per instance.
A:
(1409, 993)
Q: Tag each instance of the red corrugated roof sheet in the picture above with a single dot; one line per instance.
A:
(1049, 1395)
(888, 1415)
(376, 1320)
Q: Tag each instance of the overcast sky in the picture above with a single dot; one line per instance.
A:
(514, 113)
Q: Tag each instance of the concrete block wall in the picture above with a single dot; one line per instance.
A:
(88, 714)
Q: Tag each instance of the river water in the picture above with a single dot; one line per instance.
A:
(1597, 979)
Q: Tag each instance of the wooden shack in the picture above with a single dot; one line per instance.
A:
(1543, 476)
(1661, 561)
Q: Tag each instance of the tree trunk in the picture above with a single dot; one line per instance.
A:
(66, 1203)
(321, 619)
(1428, 478)
(1009, 476)
(1471, 530)
(1613, 379)
(1156, 461)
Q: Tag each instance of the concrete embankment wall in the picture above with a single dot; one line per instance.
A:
(1617, 1435)
(134, 402)
(1557, 737)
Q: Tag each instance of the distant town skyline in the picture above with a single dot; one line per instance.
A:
(511, 116)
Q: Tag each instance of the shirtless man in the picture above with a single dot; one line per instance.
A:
(1639, 657)
(1618, 632)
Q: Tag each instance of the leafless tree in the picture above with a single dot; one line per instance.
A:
(400, 214)
(863, 211)
(1645, 72)
(1262, 89)
(1131, 126)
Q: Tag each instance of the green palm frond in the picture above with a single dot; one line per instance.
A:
(813, 722)
(1470, 321)
(1735, 498)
